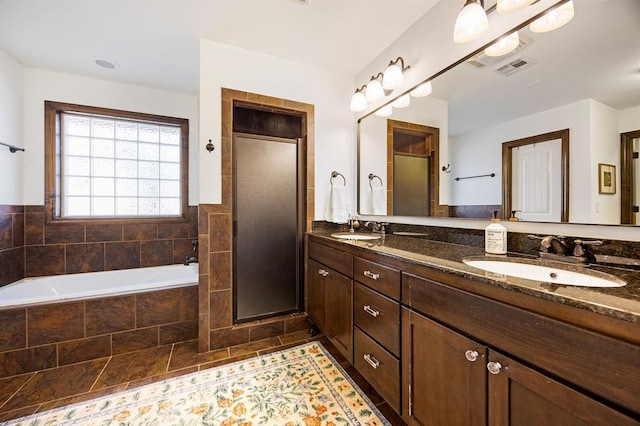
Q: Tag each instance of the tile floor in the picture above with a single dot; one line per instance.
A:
(47, 389)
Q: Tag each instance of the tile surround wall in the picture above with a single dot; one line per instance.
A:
(31, 247)
(215, 240)
(52, 335)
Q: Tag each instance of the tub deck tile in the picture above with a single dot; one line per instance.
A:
(134, 366)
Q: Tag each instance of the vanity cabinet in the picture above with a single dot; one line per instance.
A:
(330, 295)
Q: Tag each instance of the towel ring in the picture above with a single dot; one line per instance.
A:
(372, 177)
(336, 174)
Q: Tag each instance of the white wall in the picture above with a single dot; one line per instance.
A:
(41, 85)
(629, 119)
(11, 165)
(605, 148)
(223, 66)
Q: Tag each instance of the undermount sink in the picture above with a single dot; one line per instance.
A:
(350, 236)
(522, 268)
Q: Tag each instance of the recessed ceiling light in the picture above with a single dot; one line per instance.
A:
(106, 64)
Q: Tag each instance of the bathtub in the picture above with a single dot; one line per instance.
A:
(90, 285)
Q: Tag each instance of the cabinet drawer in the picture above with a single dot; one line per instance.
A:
(377, 315)
(333, 258)
(382, 278)
(378, 367)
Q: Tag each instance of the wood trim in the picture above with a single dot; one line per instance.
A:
(627, 186)
(53, 109)
(507, 166)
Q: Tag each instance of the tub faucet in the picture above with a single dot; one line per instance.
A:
(190, 259)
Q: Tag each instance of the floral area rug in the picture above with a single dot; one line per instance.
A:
(301, 386)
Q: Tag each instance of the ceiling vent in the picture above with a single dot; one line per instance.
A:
(481, 60)
(514, 66)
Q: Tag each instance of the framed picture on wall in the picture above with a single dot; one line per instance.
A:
(606, 178)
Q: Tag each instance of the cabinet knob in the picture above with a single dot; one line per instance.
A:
(323, 272)
(371, 361)
(373, 312)
(471, 355)
(494, 367)
(371, 275)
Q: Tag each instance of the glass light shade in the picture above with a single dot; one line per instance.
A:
(554, 19)
(402, 102)
(423, 90)
(471, 23)
(385, 111)
(374, 91)
(506, 6)
(393, 77)
(358, 102)
(504, 45)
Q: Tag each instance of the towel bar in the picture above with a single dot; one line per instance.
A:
(372, 177)
(336, 174)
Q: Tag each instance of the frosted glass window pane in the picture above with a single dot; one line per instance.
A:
(76, 125)
(102, 186)
(170, 206)
(102, 167)
(77, 166)
(76, 145)
(169, 188)
(126, 149)
(169, 153)
(126, 206)
(148, 132)
(77, 206)
(148, 206)
(148, 188)
(126, 131)
(103, 206)
(149, 170)
(102, 148)
(126, 168)
(148, 151)
(126, 187)
(170, 135)
(170, 170)
(102, 128)
(77, 186)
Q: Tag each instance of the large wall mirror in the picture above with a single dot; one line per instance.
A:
(581, 80)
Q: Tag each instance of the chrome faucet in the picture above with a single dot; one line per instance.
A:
(192, 259)
(560, 249)
(377, 227)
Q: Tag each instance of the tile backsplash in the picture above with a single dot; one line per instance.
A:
(31, 247)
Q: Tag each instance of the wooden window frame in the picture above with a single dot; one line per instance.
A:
(52, 111)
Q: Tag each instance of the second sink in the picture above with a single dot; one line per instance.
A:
(522, 268)
(350, 236)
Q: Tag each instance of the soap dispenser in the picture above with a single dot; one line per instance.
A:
(495, 236)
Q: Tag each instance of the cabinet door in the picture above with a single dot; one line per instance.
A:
(316, 293)
(519, 395)
(339, 319)
(443, 375)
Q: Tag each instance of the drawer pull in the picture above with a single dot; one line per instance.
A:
(323, 272)
(371, 275)
(373, 312)
(494, 367)
(371, 361)
(471, 355)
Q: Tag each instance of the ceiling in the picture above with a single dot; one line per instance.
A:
(156, 42)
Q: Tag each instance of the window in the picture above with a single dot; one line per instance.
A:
(111, 164)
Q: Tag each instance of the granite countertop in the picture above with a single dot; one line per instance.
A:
(618, 302)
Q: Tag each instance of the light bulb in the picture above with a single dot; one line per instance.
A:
(423, 90)
(504, 45)
(553, 19)
(471, 23)
(385, 111)
(358, 102)
(402, 102)
(393, 77)
(506, 6)
(374, 91)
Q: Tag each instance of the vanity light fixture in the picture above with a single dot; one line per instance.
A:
(358, 100)
(402, 102)
(421, 91)
(504, 45)
(394, 74)
(374, 90)
(553, 19)
(385, 111)
(506, 6)
(471, 22)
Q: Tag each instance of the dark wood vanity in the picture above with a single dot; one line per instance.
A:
(444, 346)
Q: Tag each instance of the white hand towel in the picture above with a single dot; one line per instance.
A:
(378, 200)
(338, 204)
